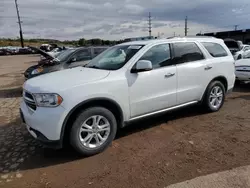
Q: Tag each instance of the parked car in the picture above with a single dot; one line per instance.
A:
(67, 59)
(127, 82)
(24, 50)
(54, 52)
(238, 49)
(2, 52)
(242, 70)
(6, 51)
(244, 52)
(14, 50)
(48, 47)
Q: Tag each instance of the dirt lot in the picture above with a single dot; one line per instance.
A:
(152, 153)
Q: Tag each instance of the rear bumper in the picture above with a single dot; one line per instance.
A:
(242, 76)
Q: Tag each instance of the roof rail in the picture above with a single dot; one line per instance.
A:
(192, 37)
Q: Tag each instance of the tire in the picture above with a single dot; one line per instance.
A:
(208, 100)
(78, 138)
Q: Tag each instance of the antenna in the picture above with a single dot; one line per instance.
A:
(149, 25)
(20, 26)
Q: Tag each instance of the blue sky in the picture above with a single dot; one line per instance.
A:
(116, 19)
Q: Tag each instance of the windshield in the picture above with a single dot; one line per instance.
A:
(114, 58)
(232, 44)
(64, 55)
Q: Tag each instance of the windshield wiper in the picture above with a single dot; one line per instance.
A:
(93, 66)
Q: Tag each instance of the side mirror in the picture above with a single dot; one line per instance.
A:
(73, 59)
(142, 66)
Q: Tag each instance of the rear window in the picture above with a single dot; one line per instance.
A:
(215, 50)
(186, 52)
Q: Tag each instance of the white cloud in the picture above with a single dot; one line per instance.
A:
(115, 19)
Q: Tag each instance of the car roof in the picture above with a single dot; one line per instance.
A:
(174, 39)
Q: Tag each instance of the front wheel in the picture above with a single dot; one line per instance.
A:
(93, 131)
(215, 96)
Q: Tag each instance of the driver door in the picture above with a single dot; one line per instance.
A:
(154, 90)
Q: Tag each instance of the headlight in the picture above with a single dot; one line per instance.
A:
(37, 71)
(48, 99)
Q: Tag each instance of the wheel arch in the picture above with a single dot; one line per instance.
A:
(110, 104)
(222, 79)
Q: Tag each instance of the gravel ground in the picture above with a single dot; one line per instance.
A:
(151, 153)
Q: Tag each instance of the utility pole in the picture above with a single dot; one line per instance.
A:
(186, 28)
(20, 26)
(149, 25)
(236, 27)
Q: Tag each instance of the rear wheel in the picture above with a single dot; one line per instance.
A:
(215, 96)
(93, 131)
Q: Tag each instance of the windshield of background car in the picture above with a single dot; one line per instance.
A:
(115, 57)
(232, 44)
(65, 54)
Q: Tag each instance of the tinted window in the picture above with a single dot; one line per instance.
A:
(215, 50)
(159, 55)
(186, 52)
(82, 55)
(65, 55)
(97, 51)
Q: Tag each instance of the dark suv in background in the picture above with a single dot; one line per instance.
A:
(67, 59)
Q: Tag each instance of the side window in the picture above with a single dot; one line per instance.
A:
(186, 52)
(82, 55)
(215, 50)
(159, 56)
(97, 51)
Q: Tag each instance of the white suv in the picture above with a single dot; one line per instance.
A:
(86, 105)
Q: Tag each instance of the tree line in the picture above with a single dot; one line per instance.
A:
(80, 42)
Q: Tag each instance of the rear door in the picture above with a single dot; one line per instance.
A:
(192, 71)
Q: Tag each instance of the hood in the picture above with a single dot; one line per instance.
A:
(65, 79)
(232, 44)
(242, 62)
(43, 53)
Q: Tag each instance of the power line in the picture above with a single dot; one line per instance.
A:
(20, 26)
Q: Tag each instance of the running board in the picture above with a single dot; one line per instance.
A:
(164, 110)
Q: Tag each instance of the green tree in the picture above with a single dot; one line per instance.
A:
(82, 42)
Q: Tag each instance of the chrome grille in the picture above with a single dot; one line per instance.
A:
(29, 100)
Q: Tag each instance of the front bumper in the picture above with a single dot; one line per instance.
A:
(44, 124)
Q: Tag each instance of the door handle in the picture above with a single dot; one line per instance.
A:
(208, 67)
(169, 75)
